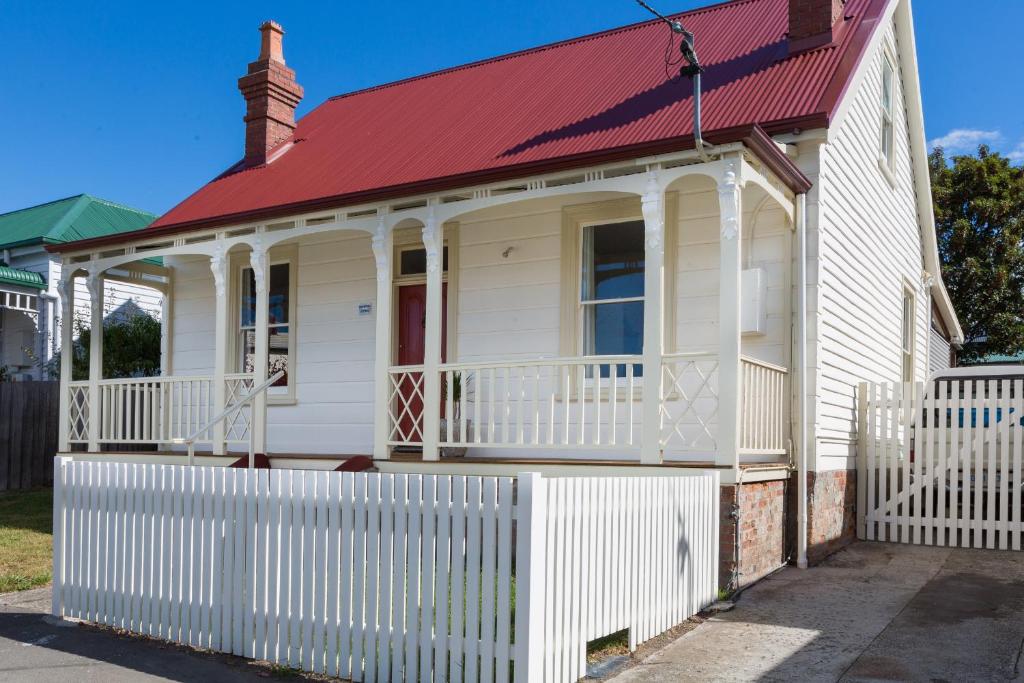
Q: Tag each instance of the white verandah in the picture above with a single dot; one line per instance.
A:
(711, 405)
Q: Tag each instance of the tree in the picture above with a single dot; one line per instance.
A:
(979, 218)
(131, 348)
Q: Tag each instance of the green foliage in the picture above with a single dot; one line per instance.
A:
(131, 348)
(979, 218)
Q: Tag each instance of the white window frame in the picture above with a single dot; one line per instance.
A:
(581, 304)
(908, 333)
(289, 254)
(887, 121)
(574, 218)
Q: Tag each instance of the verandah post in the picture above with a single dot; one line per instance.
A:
(94, 283)
(729, 188)
(653, 203)
(219, 267)
(433, 242)
(382, 253)
(66, 290)
(261, 352)
(530, 573)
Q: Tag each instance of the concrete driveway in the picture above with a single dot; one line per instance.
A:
(873, 612)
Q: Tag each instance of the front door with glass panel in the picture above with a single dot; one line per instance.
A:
(411, 329)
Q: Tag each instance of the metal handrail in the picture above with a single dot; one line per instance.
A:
(224, 414)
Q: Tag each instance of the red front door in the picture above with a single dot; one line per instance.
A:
(412, 329)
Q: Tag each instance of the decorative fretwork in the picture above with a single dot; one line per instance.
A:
(689, 403)
(405, 406)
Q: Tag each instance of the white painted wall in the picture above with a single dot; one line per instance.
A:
(868, 244)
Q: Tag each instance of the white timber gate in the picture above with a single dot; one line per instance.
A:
(939, 463)
(384, 577)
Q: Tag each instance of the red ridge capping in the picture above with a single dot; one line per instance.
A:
(260, 462)
(359, 463)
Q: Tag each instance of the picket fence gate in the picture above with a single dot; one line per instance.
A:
(939, 463)
(383, 577)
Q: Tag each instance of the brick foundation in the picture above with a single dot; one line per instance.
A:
(762, 531)
(831, 512)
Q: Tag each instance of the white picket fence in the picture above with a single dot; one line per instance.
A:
(383, 577)
(940, 463)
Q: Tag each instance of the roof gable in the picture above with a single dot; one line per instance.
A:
(573, 102)
(69, 219)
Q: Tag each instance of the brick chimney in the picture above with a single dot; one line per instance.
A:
(812, 23)
(271, 95)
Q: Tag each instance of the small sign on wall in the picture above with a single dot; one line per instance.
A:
(365, 309)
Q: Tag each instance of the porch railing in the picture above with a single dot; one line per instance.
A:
(763, 408)
(565, 403)
(149, 410)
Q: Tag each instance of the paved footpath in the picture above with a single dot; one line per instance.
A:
(873, 612)
(36, 647)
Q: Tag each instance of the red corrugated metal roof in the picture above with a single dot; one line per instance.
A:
(578, 100)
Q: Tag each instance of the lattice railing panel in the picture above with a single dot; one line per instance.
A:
(405, 406)
(689, 403)
(78, 412)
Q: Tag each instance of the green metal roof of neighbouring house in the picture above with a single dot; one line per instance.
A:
(21, 278)
(67, 220)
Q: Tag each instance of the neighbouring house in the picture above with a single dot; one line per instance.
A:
(30, 318)
(534, 262)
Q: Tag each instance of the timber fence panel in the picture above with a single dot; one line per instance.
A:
(382, 577)
(28, 433)
(939, 463)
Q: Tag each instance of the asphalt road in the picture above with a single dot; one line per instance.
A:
(36, 647)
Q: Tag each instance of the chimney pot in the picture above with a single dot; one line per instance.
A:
(271, 96)
(813, 23)
(271, 42)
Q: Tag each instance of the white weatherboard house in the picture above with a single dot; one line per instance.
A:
(536, 262)
(29, 277)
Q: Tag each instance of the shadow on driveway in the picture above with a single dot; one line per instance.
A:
(36, 647)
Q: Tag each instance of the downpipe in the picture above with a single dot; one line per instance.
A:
(802, 440)
(801, 354)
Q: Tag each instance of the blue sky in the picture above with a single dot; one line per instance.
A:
(137, 102)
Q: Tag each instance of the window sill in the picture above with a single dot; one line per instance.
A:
(282, 401)
(883, 165)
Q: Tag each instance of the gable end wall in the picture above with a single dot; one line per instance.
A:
(870, 245)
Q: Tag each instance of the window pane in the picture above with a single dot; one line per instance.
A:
(414, 261)
(613, 261)
(887, 79)
(615, 329)
(279, 299)
(279, 340)
(248, 298)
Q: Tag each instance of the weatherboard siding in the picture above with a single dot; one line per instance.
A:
(938, 351)
(870, 245)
